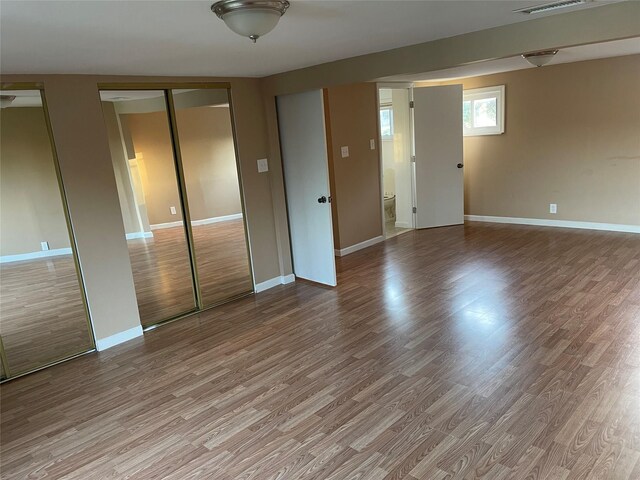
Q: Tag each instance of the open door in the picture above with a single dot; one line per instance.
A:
(306, 173)
(439, 188)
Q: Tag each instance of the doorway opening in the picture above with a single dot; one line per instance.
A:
(398, 198)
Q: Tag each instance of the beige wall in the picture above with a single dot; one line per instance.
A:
(30, 203)
(572, 137)
(208, 159)
(605, 23)
(82, 143)
(388, 165)
(131, 217)
(152, 144)
(352, 115)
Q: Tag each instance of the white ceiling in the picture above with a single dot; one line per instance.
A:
(617, 48)
(185, 38)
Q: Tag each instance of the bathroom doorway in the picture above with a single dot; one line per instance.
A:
(397, 167)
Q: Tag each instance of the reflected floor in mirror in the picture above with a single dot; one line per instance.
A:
(476, 351)
(162, 274)
(43, 317)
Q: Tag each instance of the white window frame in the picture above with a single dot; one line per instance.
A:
(390, 108)
(473, 94)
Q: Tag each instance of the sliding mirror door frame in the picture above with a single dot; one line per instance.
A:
(167, 88)
(162, 268)
(241, 189)
(9, 375)
(202, 304)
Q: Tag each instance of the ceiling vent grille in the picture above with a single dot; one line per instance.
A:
(550, 6)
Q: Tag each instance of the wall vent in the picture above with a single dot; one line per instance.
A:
(550, 6)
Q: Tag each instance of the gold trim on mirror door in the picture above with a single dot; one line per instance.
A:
(5, 363)
(164, 86)
(67, 216)
(241, 188)
(182, 192)
(10, 375)
(21, 86)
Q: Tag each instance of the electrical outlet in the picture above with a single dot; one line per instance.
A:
(173, 210)
(372, 144)
(553, 208)
(263, 165)
(344, 151)
(44, 246)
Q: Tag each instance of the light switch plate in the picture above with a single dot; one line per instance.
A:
(263, 165)
(372, 144)
(344, 151)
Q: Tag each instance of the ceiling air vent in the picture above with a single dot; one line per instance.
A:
(550, 6)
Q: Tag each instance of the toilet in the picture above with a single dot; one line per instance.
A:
(389, 208)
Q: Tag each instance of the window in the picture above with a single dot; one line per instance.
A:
(386, 123)
(483, 111)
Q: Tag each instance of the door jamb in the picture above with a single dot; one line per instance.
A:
(398, 86)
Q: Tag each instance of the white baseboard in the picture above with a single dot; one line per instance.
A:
(224, 218)
(274, 282)
(204, 221)
(160, 226)
(60, 251)
(358, 246)
(403, 225)
(134, 235)
(610, 227)
(118, 338)
(33, 255)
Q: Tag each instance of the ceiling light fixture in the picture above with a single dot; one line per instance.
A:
(250, 18)
(539, 59)
(6, 100)
(551, 6)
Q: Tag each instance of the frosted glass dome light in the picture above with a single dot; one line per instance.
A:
(250, 18)
(539, 59)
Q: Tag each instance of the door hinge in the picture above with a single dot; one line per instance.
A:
(413, 158)
(414, 209)
(411, 104)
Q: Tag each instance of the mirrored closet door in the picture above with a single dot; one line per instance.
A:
(173, 154)
(42, 303)
(144, 165)
(208, 157)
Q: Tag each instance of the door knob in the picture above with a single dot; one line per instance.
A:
(460, 165)
(322, 199)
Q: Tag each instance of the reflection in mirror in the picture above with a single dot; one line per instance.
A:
(44, 318)
(210, 171)
(143, 162)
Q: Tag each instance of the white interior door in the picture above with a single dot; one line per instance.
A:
(306, 173)
(439, 188)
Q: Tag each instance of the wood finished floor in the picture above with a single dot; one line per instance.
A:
(162, 273)
(483, 351)
(42, 314)
(43, 318)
